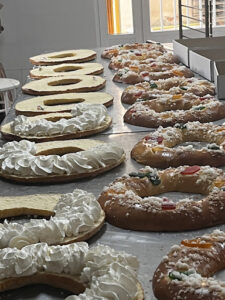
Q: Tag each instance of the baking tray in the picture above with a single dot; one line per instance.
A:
(149, 247)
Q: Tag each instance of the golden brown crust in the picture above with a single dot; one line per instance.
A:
(128, 204)
(116, 50)
(140, 75)
(67, 56)
(186, 272)
(149, 58)
(64, 84)
(64, 281)
(170, 86)
(8, 134)
(174, 109)
(160, 149)
(60, 103)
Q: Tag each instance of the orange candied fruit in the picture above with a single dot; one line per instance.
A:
(220, 129)
(219, 183)
(177, 96)
(134, 68)
(165, 116)
(197, 243)
(157, 149)
(177, 73)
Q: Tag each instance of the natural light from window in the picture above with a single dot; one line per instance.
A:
(120, 17)
(163, 15)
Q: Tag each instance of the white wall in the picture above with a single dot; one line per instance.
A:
(35, 26)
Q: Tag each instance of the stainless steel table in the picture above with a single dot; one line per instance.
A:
(149, 247)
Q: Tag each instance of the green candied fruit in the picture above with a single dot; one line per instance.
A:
(180, 126)
(119, 74)
(183, 88)
(223, 188)
(199, 108)
(177, 274)
(153, 85)
(213, 147)
(141, 100)
(155, 180)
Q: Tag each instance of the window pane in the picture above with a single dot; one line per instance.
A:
(163, 15)
(155, 17)
(220, 12)
(120, 16)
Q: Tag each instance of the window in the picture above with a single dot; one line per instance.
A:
(127, 21)
(120, 16)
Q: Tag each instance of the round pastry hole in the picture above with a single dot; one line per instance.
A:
(62, 55)
(59, 151)
(67, 69)
(220, 275)
(64, 82)
(195, 145)
(53, 102)
(36, 291)
(177, 196)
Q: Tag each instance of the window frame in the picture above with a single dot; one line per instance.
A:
(141, 23)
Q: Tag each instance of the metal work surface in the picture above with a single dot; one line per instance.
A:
(149, 247)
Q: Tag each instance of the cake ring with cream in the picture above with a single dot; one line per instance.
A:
(74, 217)
(187, 271)
(83, 120)
(161, 148)
(60, 57)
(60, 103)
(139, 57)
(144, 73)
(64, 84)
(172, 86)
(127, 48)
(168, 110)
(99, 272)
(66, 69)
(57, 161)
(131, 201)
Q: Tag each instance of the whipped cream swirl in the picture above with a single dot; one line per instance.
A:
(18, 158)
(109, 274)
(84, 117)
(75, 213)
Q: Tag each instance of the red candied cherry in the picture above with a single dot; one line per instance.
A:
(190, 170)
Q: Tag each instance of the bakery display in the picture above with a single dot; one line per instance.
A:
(57, 161)
(64, 84)
(170, 86)
(60, 103)
(60, 57)
(141, 73)
(63, 110)
(66, 69)
(83, 120)
(131, 201)
(118, 49)
(99, 272)
(188, 270)
(164, 148)
(168, 110)
(74, 217)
